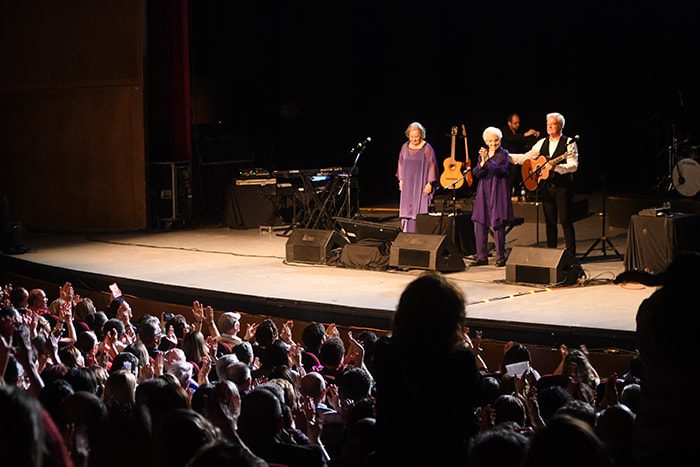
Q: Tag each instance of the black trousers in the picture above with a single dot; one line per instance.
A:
(556, 202)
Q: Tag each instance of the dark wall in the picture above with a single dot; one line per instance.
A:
(314, 81)
(72, 115)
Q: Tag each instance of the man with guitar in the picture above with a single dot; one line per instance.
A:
(549, 166)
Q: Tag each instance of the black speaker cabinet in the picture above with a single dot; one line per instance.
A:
(434, 252)
(312, 246)
(250, 204)
(538, 265)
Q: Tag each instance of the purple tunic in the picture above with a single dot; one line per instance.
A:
(417, 168)
(492, 205)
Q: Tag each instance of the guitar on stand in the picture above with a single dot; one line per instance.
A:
(467, 163)
(451, 177)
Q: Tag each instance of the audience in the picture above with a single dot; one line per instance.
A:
(423, 390)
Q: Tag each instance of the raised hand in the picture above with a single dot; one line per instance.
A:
(198, 311)
(66, 293)
(355, 355)
(286, 332)
(332, 331)
(250, 331)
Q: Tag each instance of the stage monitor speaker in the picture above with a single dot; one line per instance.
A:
(312, 246)
(420, 251)
(533, 265)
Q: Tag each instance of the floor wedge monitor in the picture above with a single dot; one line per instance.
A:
(312, 246)
(533, 265)
(421, 251)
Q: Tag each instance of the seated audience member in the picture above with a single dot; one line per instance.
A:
(28, 435)
(615, 427)
(244, 353)
(331, 356)
(566, 441)
(150, 334)
(427, 334)
(259, 426)
(499, 447)
(181, 433)
(312, 337)
(579, 410)
(229, 325)
(583, 377)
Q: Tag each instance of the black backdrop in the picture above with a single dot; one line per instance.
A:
(308, 80)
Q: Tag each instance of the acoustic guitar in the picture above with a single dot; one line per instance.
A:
(535, 170)
(467, 163)
(453, 168)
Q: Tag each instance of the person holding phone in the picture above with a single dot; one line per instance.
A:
(492, 206)
(417, 172)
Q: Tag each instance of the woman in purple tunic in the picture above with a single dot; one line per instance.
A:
(493, 206)
(417, 172)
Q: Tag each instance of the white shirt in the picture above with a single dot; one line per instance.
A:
(571, 164)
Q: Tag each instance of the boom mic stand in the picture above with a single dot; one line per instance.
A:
(346, 186)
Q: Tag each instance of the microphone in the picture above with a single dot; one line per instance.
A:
(467, 170)
(574, 139)
(363, 143)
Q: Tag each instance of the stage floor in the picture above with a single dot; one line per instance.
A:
(245, 269)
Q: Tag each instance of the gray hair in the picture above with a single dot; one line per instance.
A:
(415, 126)
(559, 117)
(492, 130)
(223, 363)
(182, 371)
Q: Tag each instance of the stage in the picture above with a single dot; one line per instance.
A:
(246, 270)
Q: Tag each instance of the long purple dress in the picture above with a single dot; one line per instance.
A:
(492, 206)
(417, 168)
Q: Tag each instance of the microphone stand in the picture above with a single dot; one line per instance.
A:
(347, 202)
(535, 175)
(453, 229)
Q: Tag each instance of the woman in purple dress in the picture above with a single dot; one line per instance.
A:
(493, 206)
(417, 172)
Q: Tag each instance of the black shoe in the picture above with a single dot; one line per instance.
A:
(479, 262)
(500, 263)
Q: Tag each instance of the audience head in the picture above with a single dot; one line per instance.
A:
(313, 336)
(509, 408)
(244, 352)
(266, 333)
(430, 292)
(354, 384)
(332, 353)
(261, 415)
(84, 310)
(120, 390)
(497, 448)
(565, 441)
(229, 322)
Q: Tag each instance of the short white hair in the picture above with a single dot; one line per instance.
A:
(492, 130)
(415, 126)
(559, 117)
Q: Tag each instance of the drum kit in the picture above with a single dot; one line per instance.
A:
(683, 169)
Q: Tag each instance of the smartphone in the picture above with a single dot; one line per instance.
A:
(116, 293)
